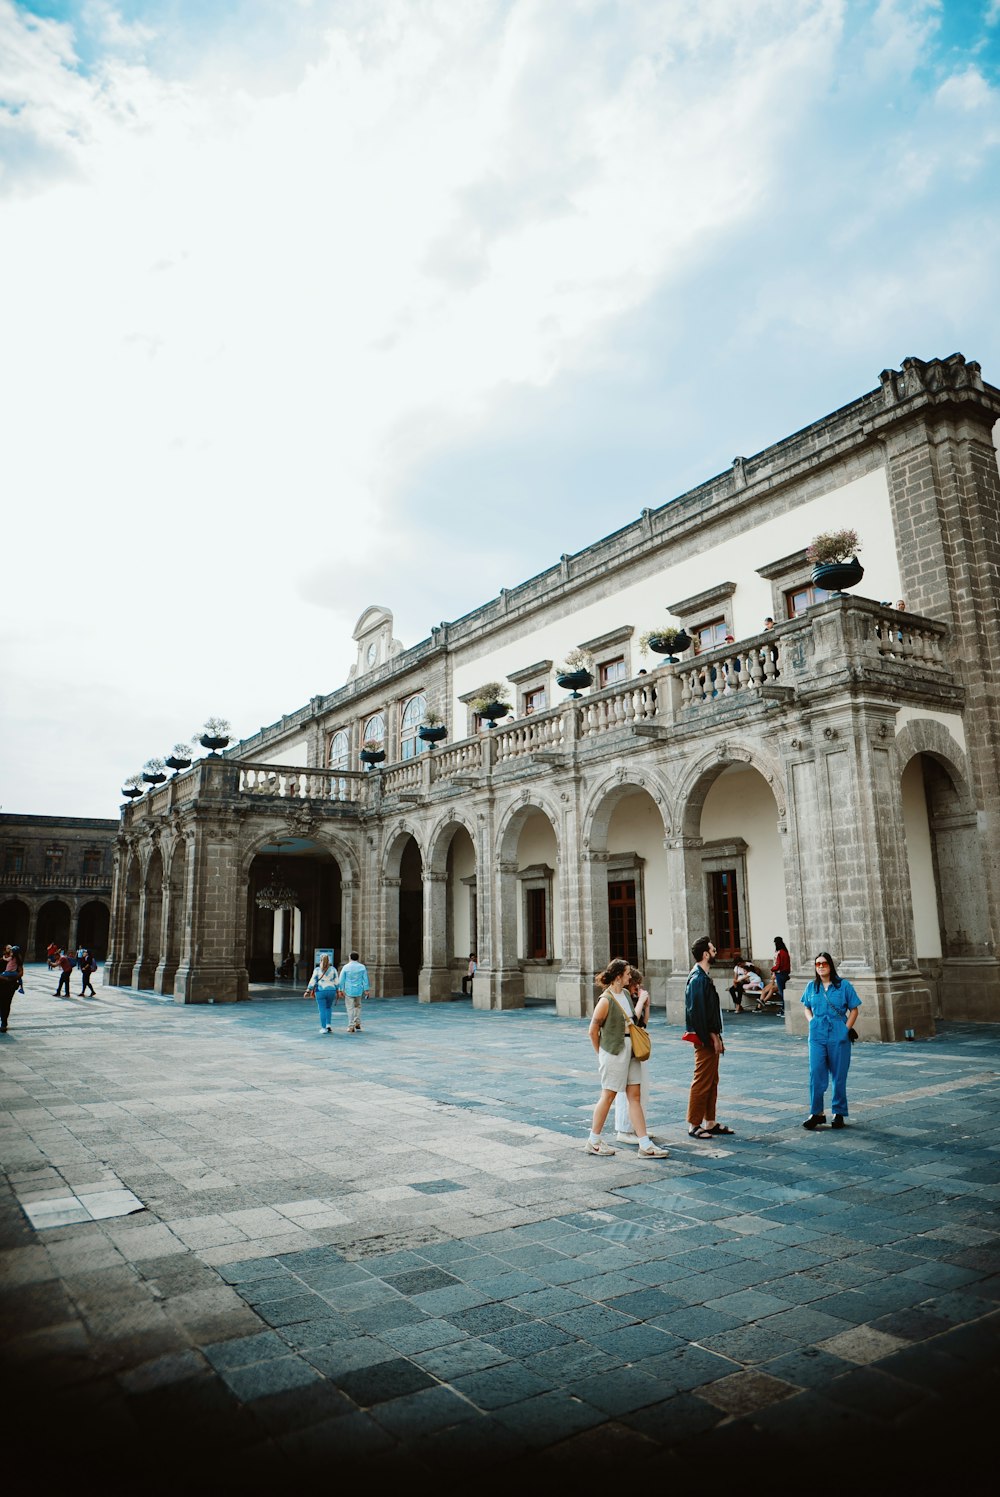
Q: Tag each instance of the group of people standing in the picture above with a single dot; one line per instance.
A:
(327, 985)
(831, 1006)
(65, 963)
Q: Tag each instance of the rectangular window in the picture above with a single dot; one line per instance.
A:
(798, 599)
(14, 860)
(535, 700)
(53, 860)
(537, 946)
(92, 860)
(707, 636)
(611, 671)
(624, 936)
(725, 913)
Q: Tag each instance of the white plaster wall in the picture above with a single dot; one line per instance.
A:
(290, 754)
(949, 720)
(637, 826)
(740, 804)
(863, 504)
(921, 863)
(462, 864)
(537, 844)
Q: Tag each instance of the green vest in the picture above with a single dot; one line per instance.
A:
(613, 1028)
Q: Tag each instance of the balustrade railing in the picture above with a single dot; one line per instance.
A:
(290, 783)
(731, 668)
(406, 776)
(541, 730)
(895, 636)
(464, 757)
(617, 707)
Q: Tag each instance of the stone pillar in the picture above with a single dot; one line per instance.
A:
(503, 986)
(435, 972)
(848, 885)
(385, 974)
(212, 968)
(117, 965)
(688, 915)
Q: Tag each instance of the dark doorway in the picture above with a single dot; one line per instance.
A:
(315, 880)
(724, 912)
(92, 929)
(411, 916)
(53, 925)
(622, 928)
(14, 925)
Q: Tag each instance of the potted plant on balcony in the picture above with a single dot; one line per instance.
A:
(489, 704)
(214, 735)
(575, 673)
(432, 730)
(152, 771)
(372, 751)
(835, 560)
(132, 787)
(179, 758)
(669, 642)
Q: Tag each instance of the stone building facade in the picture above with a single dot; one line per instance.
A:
(833, 779)
(55, 882)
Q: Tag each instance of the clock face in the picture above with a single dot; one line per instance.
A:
(372, 654)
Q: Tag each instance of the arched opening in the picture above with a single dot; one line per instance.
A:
(130, 944)
(53, 926)
(630, 893)
(284, 940)
(152, 915)
(92, 927)
(742, 865)
(411, 915)
(947, 887)
(14, 920)
(462, 923)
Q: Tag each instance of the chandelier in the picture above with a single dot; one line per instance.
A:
(276, 894)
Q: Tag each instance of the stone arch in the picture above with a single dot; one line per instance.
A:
(406, 958)
(395, 844)
(727, 851)
(452, 880)
(53, 924)
(513, 818)
(150, 916)
(324, 872)
(527, 901)
(952, 941)
(624, 874)
(92, 927)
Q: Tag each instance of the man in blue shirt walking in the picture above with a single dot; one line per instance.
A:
(353, 986)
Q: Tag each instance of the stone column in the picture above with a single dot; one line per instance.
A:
(212, 968)
(385, 973)
(575, 991)
(688, 914)
(504, 984)
(435, 972)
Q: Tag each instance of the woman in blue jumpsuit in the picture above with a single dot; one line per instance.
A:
(832, 1007)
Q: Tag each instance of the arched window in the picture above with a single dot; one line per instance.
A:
(374, 731)
(340, 749)
(413, 715)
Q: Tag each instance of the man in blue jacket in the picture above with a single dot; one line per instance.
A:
(703, 1017)
(353, 986)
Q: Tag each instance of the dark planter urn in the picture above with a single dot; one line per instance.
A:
(666, 644)
(836, 576)
(432, 734)
(212, 744)
(133, 792)
(571, 681)
(177, 764)
(372, 756)
(154, 779)
(494, 710)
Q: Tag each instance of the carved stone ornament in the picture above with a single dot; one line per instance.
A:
(930, 377)
(883, 730)
(830, 733)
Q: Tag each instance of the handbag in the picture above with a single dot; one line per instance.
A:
(642, 1044)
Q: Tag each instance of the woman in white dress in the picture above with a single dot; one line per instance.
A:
(640, 1002)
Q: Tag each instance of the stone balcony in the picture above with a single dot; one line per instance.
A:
(841, 649)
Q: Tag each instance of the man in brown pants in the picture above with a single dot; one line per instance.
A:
(703, 1015)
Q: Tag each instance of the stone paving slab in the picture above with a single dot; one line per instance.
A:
(389, 1251)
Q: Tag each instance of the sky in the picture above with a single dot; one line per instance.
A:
(313, 305)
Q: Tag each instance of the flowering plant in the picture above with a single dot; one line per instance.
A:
(574, 660)
(215, 727)
(670, 636)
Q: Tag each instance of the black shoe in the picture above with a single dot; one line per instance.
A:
(838, 1121)
(816, 1120)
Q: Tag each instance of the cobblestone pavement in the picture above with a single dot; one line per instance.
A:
(390, 1249)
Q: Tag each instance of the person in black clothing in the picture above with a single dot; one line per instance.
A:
(703, 1016)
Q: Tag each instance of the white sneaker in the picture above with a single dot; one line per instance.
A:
(599, 1148)
(653, 1152)
(627, 1138)
(323, 1029)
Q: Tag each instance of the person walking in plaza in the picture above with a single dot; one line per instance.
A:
(10, 982)
(323, 987)
(88, 966)
(640, 1003)
(703, 1017)
(831, 1006)
(616, 1065)
(353, 986)
(470, 974)
(65, 963)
